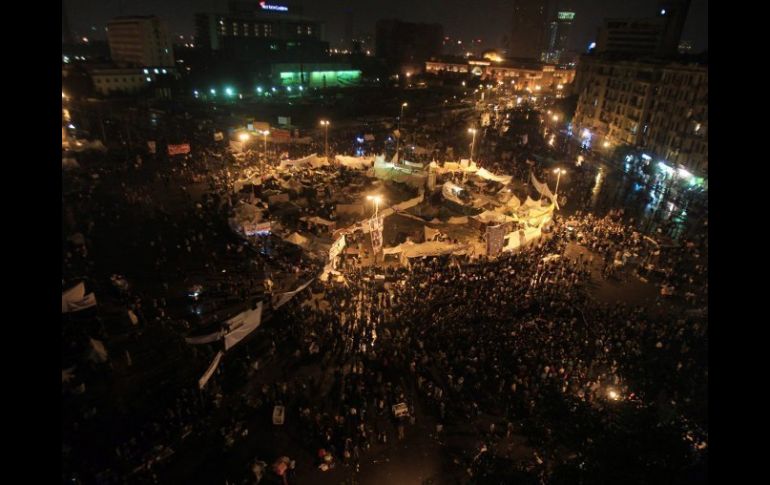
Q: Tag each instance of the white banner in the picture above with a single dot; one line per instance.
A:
(210, 371)
(375, 231)
(281, 299)
(74, 294)
(204, 339)
(242, 325)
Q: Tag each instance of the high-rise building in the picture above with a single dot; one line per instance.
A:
(528, 37)
(558, 35)
(66, 33)
(261, 32)
(406, 46)
(140, 41)
(658, 106)
(655, 36)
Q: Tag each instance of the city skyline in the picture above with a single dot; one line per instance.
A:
(489, 20)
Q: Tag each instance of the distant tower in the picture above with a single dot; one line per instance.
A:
(66, 33)
(528, 30)
(674, 13)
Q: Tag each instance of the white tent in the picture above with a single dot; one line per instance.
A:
(430, 248)
(451, 193)
(398, 173)
(312, 161)
(487, 175)
(298, 239)
(487, 217)
(355, 163)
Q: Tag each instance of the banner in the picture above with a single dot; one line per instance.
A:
(543, 189)
(210, 371)
(335, 250)
(182, 149)
(219, 136)
(282, 298)
(74, 294)
(88, 301)
(242, 325)
(151, 147)
(204, 339)
(495, 239)
(375, 230)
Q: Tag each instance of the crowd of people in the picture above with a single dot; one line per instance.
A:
(517, 343)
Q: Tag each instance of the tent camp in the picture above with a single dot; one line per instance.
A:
(298, 239)
(398, 173)
(410, 249)
(487, 175)
(311, 161)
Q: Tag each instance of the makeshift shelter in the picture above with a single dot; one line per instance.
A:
(410, 249)
(451, 192)
(399, 173)
(311, 161)
(487, 175)
(297, 239)
(355, 163)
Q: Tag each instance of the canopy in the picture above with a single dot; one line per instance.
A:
(493, 217)
(487, 175)
(398, 173)
(451, 193)
(430, 248)
(298, 239)
(312, 161)
(356, 163)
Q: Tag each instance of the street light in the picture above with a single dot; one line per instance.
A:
(398, 138)
(325, 124)
(472, 131)
(558, 172)
(376, 199)
(264, 133)
(244, 137)
(555, 118)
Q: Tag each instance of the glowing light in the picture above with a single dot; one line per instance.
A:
(259, 89)
(586, 134)
(213, 91)
(229, 91)
(612, 394)
(244, 137)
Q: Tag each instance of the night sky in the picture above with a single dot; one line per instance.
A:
(488, 20)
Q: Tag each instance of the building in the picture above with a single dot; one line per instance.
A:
(141, 41)
(528, 37)
(656, 36)
(323, 75)
(405, 46)
(654, 105)
(532, 76)
(558, 35)
(685, 47)
(108, 81)
(260, 32)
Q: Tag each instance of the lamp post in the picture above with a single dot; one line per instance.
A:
(325, 124)
(558, 173)
(264, 133)
(472, 131)
(376, 199)
(398, 139)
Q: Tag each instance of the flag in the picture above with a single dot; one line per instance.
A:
(242, 325)
(182, 149)
(151, 147)
(87, 301)
(210, 371)
(74, 294)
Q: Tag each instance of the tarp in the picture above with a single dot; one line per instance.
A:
(398, 173)
(543, 189)
(282, 298)
(451, 193)
(242, 325)
(517, 239)
(76, 293)
(431, 234)
(205, 339)
(318, 220)
(298, 239)
(210, 371)
(356, 163)
(336, 249)
(69, 163)
(458, 220)
(487, 175)
(312, 161)
(493, 217)
(98, 352)
(430, 248)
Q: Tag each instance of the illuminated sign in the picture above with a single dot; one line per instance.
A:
(566, 15)
(277, 8)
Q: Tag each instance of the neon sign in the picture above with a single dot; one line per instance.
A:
(566, 15)
(277, 8)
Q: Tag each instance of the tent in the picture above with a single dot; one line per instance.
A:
(492, 217)
(398, 173)
(312, 161)
(298, 239)
(487, 175)
(319, 221)
(430, 248)
(355, 163)
(451, 193)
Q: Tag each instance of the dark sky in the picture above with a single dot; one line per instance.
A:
(465, 19)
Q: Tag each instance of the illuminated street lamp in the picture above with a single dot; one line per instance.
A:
(376, 199)
(244, 137)
(325, 124)
(555, 118)
(558, 172)
(472, 131)
(398, 138)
